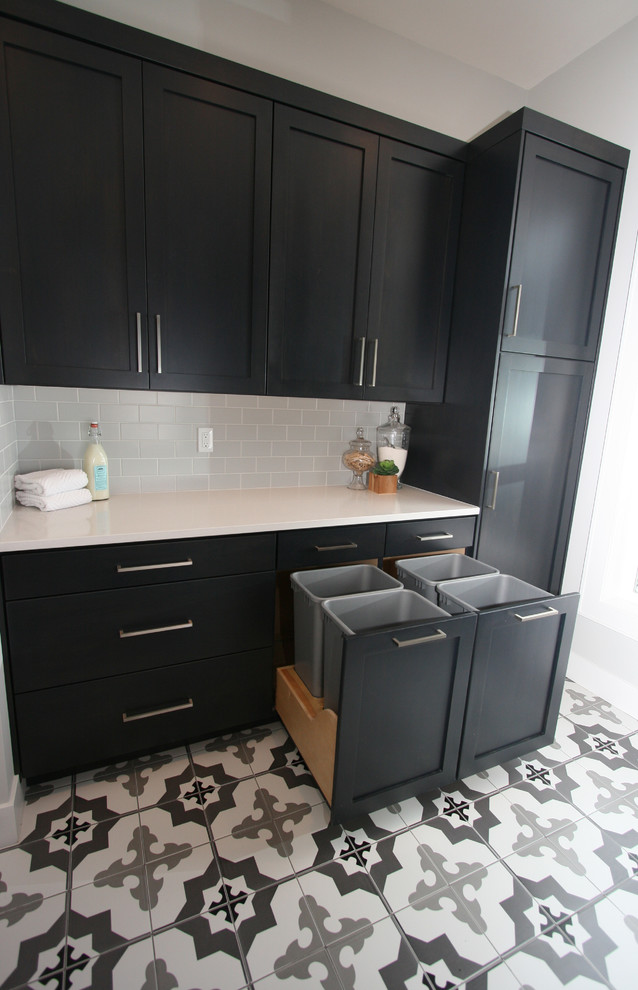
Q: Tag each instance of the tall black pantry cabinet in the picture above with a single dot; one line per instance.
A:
(540, 214)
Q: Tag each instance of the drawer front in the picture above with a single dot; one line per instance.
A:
(84, 725)
(126, 565)
(60, 640)
(329, 545)
(429, 535)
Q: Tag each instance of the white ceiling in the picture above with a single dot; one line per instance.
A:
(522, 41)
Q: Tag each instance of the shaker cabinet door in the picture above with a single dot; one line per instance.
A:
(324, 175)
(72, 266)
(208, 158)
(563, 245)
(415, 239)
(540, 413)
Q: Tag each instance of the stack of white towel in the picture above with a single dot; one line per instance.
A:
(56, 488)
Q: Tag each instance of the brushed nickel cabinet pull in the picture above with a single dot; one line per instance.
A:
(125, 568)
(537, 615)
(497, 475)
(152, 712)
(362, 360)
(375, 354)
(158, 333)
(439, 634)
(517, 311)
(339, 546)
(436, 536)
(138, 329)
(124, 634)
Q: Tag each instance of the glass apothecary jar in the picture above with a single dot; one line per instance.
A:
(393, 440)
(358, 458)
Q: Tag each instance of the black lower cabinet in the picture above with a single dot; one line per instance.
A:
(518, 670)
(77, 725)
(400, 713)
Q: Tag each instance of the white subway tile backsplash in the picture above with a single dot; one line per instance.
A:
(151, 437)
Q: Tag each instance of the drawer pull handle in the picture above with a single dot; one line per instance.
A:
(157, 629)
(361, 362)
(152, 712)
(125, 568)
(339, 546)
(537, 615)
(436, 536)
(138, 332)
(517, 311)
(439, 634)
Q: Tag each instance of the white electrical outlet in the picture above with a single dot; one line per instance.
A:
(204, 439)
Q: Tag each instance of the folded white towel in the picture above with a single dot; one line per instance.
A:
(61, 500)
(51, 482)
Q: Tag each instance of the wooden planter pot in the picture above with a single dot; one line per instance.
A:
(382, 484)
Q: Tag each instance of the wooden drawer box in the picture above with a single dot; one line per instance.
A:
(66, 728)
(429, 536)
(330, 545)
(62, 639)
(126, 565)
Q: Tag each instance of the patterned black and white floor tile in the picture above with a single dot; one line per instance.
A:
(217, 865)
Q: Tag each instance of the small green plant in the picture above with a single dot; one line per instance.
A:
(385, 467)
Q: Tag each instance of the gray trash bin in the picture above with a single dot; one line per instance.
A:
(486, 591)
(422, 574)
(310, 589)
(365, 613)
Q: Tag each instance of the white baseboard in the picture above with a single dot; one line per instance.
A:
(11, 815)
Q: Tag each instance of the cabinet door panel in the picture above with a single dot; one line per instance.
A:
(415, 237)
(539, 420)
(401, 713)
(324, 177)
(561, 259)
(208, 152)
(73, 269)
(518, 671)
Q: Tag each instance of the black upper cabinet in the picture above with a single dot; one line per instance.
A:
(561, 258)
(208, 157)
(324, 176)
(362, 264)
(72, 275)
(415, 241)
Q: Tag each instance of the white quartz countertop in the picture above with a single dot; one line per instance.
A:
(180, 515)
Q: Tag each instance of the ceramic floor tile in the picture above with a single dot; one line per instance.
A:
(114, 845)
(32, 938)
(402, 870)
(598, 856)
(311, 840)
(341, 898)
(629, 749)
(220, 761)
(43, 811)
(130, 965)
(164, 777)
(594, 781)
(376, 957)
(197, 951)
(276, 930)
(553, 876)
(109, 912)
(608, 938)
(542, 805)
(288, 790)
(445, 939)
(117, 793)
(594, 714)
(454, 850)
(497, 977)
(554, 964)
(420, 808)
(569, 742)
(252, 859)
(620, 821)
(502, 825)
(270, 748)
(236, 806)
(317, 970)
(29, 873)
(377, 825)
(500, 907)
(169, 828)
